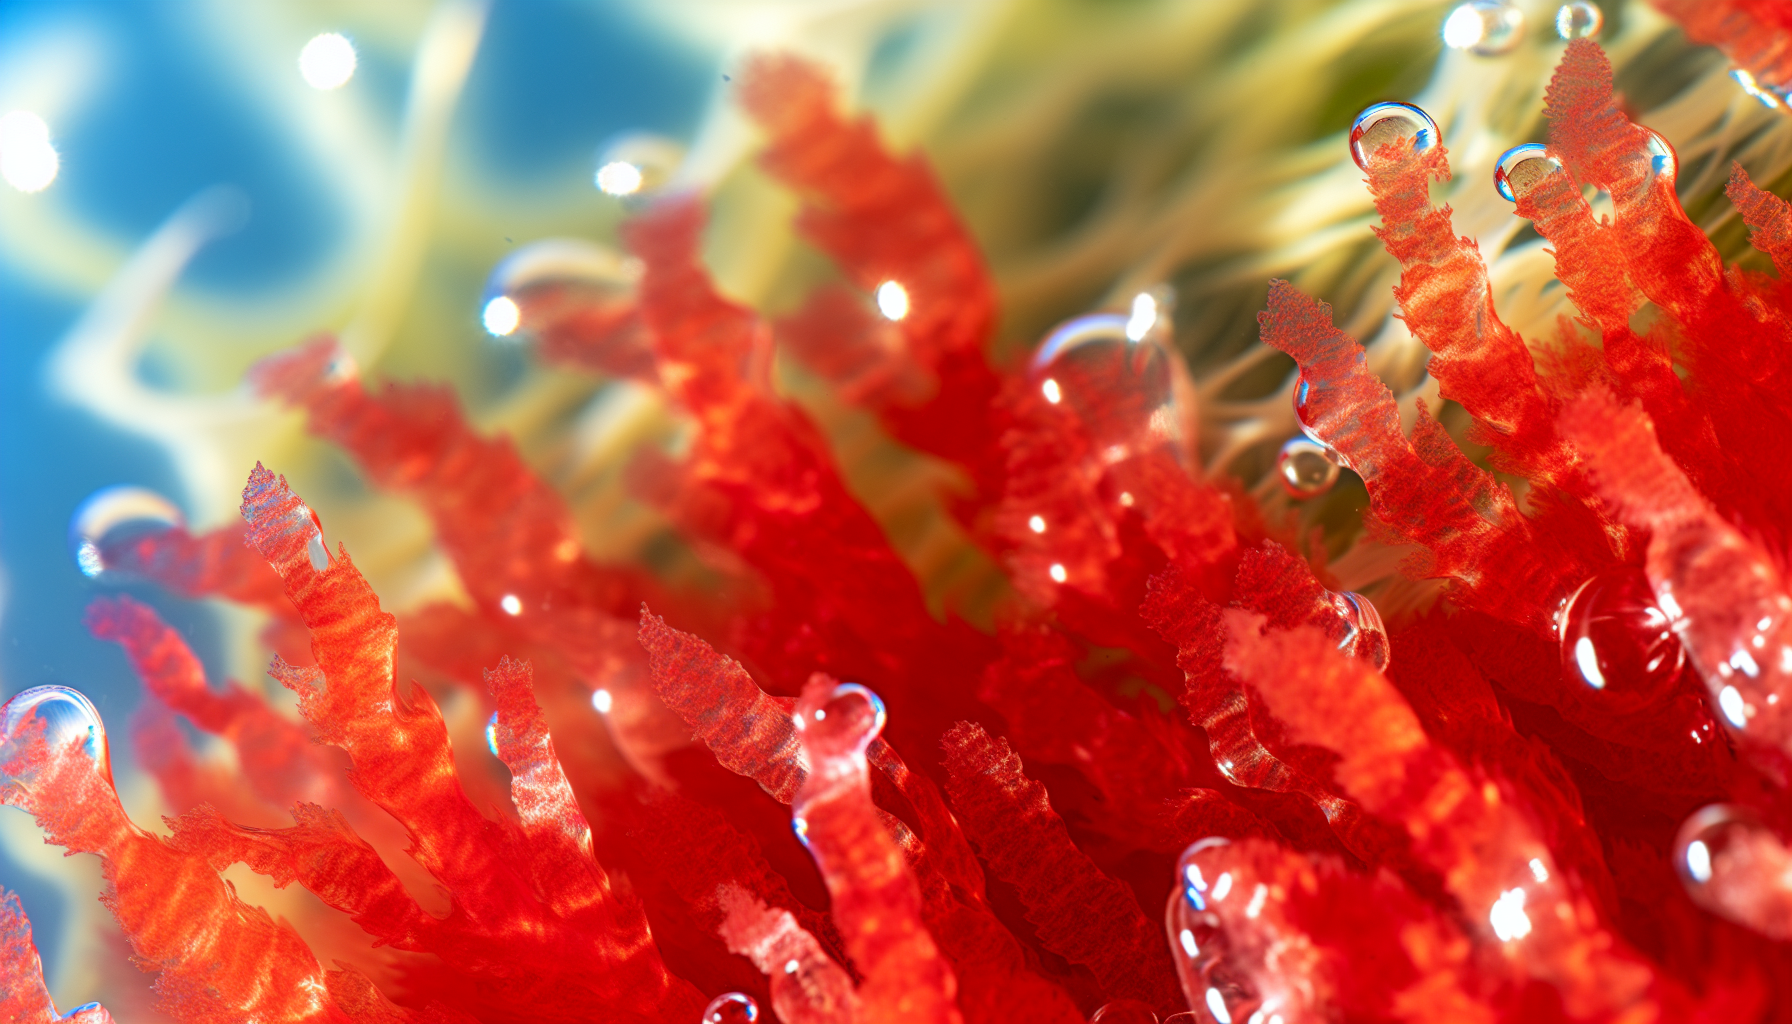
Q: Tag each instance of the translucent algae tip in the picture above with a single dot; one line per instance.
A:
(1390, 122)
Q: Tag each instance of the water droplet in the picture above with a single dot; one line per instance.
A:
(1579, 20)
(317, 553)
(1306, 468)
(1733, 865)
(852, 717)
(1617, 643)
(1522, 167)
(1663, 161)
(1383, 123)
(491, 734)
(111, 516)
(66, 718)
(1123, 1011)
(1487, 28)
(731, 1008)
(1366, 638)
(1214, 962)
(1122, 389)
(561, 283)
(637, 164)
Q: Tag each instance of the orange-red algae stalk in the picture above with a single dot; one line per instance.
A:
(1424, 490)
(1447, 302)
(220, 960)
(1755, 34)
(807, 987)
(1724, 594)
(23, 997)
(876, 901)
(1769, 218)
(1079, 912)
(562, 958)
(278, 758)
(1519, 905)
(883, 219)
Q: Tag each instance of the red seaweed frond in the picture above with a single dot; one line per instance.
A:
(1080, 913)
(23, 997)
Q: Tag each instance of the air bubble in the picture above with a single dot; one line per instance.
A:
(1385, 123)
(1486, 28)
(1306, 468)
(731, 1008)
(1733, 865)
(491, 734)
(1663, 161)
(1122, 388)
(67, 720)
(852, 717)
(1579, 20)
(637, 164)
(1617, 643)
(1365, 638)
(1521, 168)
(113, 515)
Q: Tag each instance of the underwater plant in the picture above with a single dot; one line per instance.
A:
(769, 777)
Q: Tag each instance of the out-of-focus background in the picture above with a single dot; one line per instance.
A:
(189, 186)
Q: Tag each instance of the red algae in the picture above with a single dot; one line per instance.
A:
(1463, 814)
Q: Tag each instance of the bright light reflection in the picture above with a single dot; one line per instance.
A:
(1730, 701)
(327, 61)
(491, 734)
(1216, 1005)
(1058, 573)
(619, 178)
(1540, 872)
(1508, 917)
(1698, 861)
(1222, 885)
(1144, 315)
(1036, 524)
(1463, 28)
(27, 160)
(511, 604)
(602, 701)
(1259, 896)
(1187, 938)
(1587, 660)
(502, 316)
(892, 300)
(1052, 392)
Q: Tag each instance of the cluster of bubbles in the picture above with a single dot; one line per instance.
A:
(1490, 28)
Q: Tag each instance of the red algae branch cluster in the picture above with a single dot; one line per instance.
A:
(799, 795)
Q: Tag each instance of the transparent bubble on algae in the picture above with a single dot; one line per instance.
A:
(637, 164)
(1579, 20)
(1383, 123)
(114, 513)
(1617, 642)
(852, 717)
(65, 719)
(1521, 168)
(1366, 638)
(731, 1008)
(520, 290)
(491, 734)
(1734, 866)
(1123, 1011)
(1486, 28)
(1663, 161)
(1122, 388)
(1306, 468)
(1212, 957)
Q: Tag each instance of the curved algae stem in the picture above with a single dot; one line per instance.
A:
(444, 56)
